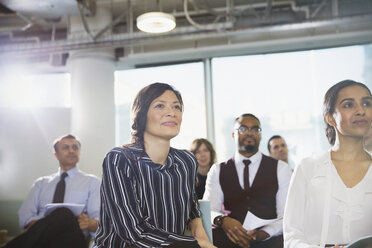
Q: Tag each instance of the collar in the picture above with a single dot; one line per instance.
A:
(322, 163)
(141, 154)
(325, 168)
(71, 173)
(254, 158)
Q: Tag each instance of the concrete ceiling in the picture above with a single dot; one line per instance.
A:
(38, 31)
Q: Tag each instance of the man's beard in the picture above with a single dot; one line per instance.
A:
(248, 148)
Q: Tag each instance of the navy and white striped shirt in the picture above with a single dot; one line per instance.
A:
(145, 204)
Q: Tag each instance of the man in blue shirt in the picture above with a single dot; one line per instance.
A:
(60, 228)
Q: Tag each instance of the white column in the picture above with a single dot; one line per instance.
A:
(92, 92)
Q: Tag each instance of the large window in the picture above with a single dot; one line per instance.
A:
(285, 91)
(186, 78)
(24, 90)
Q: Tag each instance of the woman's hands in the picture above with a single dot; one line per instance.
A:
(205, 243)
(198, 232)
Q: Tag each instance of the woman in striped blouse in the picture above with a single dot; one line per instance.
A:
(148, 188)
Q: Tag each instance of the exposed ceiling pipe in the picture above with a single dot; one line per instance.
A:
(209, 9)
(130, 21)
(335, 12)
(256, 47)
(130, 17)
(318, 9)
(229, 10)
(196, 8)
(110, 25)
(140, 39)
(52, 39)
(53, 36)
(29, 23)
(106, 28)
(304, 9)
(267, 6)
(199, 26)
(191, 21)
(26, 19)
(34, 39)
(268, 9)
(245, 7)
(84, 21)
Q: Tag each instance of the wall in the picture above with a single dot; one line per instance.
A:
(26, 152)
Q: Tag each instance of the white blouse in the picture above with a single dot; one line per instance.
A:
(318, 198)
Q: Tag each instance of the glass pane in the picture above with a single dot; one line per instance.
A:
(186, 78)
(285, 91)
(23, 90)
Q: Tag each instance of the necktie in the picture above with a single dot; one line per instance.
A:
(246, 174)
(59, 193)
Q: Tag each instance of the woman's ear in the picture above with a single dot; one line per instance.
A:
(330, 120)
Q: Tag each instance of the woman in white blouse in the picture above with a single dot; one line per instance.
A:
(329, 201)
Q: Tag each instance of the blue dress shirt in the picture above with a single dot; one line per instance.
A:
(81, 188)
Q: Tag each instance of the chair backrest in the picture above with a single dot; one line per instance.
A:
(205, 209)
(365, 242)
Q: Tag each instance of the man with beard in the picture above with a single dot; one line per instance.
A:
(60, 228)
(252, 189)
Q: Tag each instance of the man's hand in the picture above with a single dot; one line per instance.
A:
(237, 234)
(85, 223)
(258, 235)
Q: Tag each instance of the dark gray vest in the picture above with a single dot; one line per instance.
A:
(261, 196)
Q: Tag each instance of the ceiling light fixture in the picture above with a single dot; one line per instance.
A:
(156, 22)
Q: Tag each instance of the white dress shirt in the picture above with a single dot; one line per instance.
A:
(316, 186)
(213, 191)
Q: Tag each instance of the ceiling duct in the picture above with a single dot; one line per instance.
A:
(10, 20)
(224, 27)
(49, 9)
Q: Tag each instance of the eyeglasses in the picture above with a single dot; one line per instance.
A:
(244, 129)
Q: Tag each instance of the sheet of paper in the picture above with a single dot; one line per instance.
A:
(258, 222)
(77, 209)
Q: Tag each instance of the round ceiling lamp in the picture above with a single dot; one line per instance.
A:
(156, 22)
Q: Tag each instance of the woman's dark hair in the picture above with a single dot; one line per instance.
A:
(196, 145)
(329, 105)
(141, 106)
